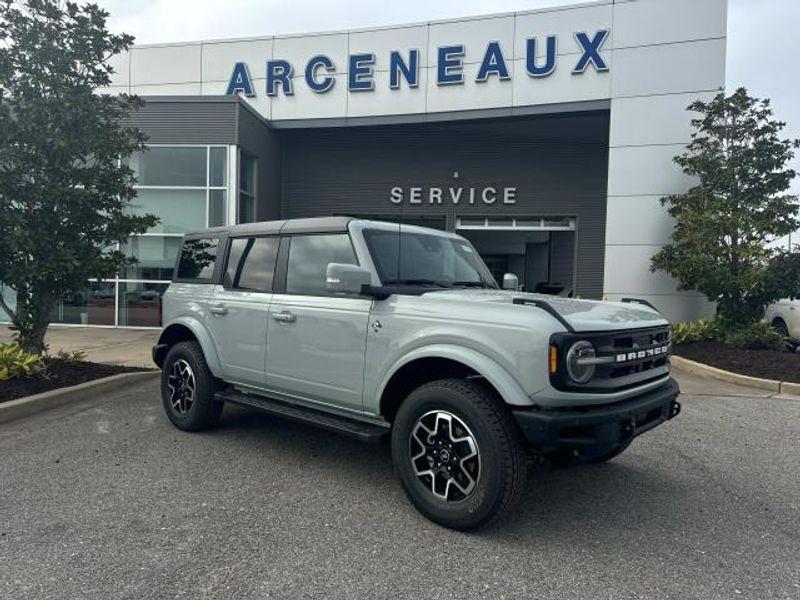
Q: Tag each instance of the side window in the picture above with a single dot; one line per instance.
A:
(197, 259)
(309, 256)
(251, 264)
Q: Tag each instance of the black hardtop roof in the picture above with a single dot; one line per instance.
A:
(313, 225)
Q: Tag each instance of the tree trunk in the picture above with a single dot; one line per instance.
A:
(33, 318)
(32, 339)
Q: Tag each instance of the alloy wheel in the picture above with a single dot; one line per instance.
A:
(181, 384)
(445, 455)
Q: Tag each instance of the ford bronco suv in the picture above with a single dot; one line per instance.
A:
(377, 329)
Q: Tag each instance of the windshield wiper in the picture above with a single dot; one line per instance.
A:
(414, 282)
(475, 284)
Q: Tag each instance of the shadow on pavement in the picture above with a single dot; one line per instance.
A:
(592, 500)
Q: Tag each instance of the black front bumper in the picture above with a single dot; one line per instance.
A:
(593, 430)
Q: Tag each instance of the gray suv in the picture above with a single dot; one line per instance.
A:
(377, 329)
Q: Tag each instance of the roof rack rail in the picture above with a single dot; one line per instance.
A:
(546, 307)
(641, 301)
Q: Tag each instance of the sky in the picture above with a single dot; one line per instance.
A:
(761, 33)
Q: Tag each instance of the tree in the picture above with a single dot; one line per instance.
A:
(64, 190)
(724, 225)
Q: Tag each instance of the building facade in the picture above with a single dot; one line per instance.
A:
(545, 137)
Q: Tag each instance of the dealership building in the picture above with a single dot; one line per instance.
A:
(545, 137)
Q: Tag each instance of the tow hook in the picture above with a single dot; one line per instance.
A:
(674, 409)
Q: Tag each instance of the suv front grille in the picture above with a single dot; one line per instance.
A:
(633, 352)
(633, 357)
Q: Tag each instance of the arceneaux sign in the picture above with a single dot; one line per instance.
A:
(319, 70)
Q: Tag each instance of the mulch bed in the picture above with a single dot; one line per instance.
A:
(766, 364)
(58, 374)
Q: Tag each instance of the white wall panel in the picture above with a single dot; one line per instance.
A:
(561, 86)
(639, 220)
(165, 64)
(646, 170)
(647, 22)
(299, 49)
(475, 34)
(469, 95)
(643, 120)
(627, 271)
(668, 69)
(220, 57)
(677, 307)
(167, 89)
(563, 23)
(306, 104)
(381, 42)
(122, 66)
(385, 101)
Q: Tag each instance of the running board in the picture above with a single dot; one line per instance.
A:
(366, 432)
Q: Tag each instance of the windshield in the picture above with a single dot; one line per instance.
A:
(414, 258)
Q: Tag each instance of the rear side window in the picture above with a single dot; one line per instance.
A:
(197, 259)
(251, 264)
(309, 257)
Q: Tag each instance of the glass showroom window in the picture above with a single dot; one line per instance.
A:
(247, 188)
(186, 187)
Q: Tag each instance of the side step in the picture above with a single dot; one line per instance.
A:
(366, 432)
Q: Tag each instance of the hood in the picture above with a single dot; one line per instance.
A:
(582, 315)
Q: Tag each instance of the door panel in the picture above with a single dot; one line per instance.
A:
(238, 323)
(316, 340)
(238, 309)
(316, 347)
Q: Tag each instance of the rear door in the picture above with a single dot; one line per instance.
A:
(238, 308)
(316, 340)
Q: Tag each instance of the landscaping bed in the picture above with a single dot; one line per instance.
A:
(58, 374)
(765, 364)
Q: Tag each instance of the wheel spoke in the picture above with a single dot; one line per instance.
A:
(444, 455)
(182, 386)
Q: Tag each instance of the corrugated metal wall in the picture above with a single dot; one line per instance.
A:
(257, 139)
(558, 164)
(199, 121)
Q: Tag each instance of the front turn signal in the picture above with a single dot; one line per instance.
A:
(553, 359)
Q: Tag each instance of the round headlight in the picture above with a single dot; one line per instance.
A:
(580, 373)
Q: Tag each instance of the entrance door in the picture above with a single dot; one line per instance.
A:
(238, 308)
(316, 341)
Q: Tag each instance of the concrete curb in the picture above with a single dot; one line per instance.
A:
(770, 385)
(23, 407)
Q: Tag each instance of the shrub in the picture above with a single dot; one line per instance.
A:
(15, 362)
(755, 336)
(694, 331)
(74, 356)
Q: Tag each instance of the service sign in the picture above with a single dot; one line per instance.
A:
(404, 66)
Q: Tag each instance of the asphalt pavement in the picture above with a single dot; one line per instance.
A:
(104, 499)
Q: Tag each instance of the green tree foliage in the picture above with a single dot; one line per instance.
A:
(725, 224)
(64, 193)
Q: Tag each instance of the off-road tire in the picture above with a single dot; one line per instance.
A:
(204, 411)
(501, 451)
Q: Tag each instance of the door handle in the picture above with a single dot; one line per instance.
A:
(284, 316)
(218, 309)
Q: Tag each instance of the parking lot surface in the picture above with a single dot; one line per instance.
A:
(104, 499)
